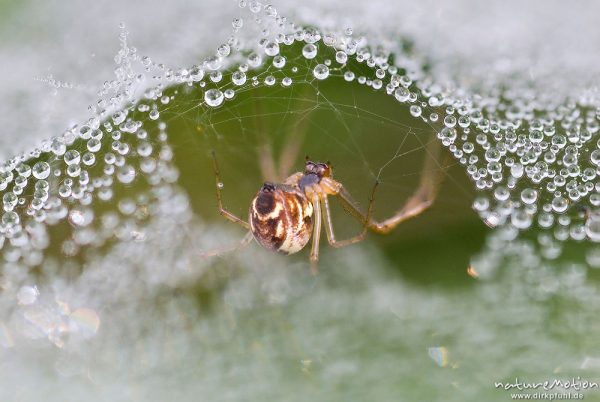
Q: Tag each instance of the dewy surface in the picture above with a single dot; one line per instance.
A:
(101, 236)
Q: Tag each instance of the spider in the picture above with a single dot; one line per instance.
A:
(283, 216)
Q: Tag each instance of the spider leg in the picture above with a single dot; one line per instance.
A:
(266, 161)
(293, 179)
(225, 250)
(422, 198)
(297, 133)
(218, 185)
(292, 146)
(314, 251)
(265, 148)
(329, 224)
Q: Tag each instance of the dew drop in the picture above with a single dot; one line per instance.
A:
(272, 48)
(27, 295)
(41, 170)
(521, 219)
(592, 227)
(279, 61)
(309, 51)
(321, 71)
(237, 23)
(559, 204)
(213, 97)
(72, 157)
(341, 57)
(10, 219)
(415, 110)
(238, 78)
(126, 174)
(528, 196)
(81, 217)
(595, 157)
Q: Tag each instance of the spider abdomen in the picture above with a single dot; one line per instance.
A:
(281, 218)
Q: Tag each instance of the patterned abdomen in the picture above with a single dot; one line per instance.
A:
(281, 218)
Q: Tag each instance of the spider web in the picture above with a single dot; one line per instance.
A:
(327, 123)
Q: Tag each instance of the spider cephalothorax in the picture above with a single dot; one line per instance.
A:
(318, 168)
(314, 172)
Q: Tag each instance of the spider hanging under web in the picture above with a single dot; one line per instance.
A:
(284, 215)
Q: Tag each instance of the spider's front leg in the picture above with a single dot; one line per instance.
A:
(218, 185)
(226, 250)
(422, 198)
(432, 175)
(314, 250)
(329, 223)
(228, 215)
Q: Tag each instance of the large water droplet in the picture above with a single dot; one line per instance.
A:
(321, 71)
(72, 157)
(272, 48)
(126, 174)
(592, 227)
(41, 170)
(309, 51)
(213, 97)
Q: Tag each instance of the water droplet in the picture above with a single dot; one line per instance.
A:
(41, 170)
(309, 51)
(72, 157)
(279, 61)
(93, 145)
(521, 219)
(272, 48)
(81, 216)
(592, 227)
(401, 94)
(126, 174)
(224, 50)
(196, 74)
(58, 146)
(255, 6)
(27, 295)
(10, 219)
(559, 204)
(238, 78)
(237, 23)
(213, 97)
(341, 57)
(415, 110)
(528, 196)
(321, 71)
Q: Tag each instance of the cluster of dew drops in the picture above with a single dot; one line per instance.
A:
(102, 181)
(535, 162)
